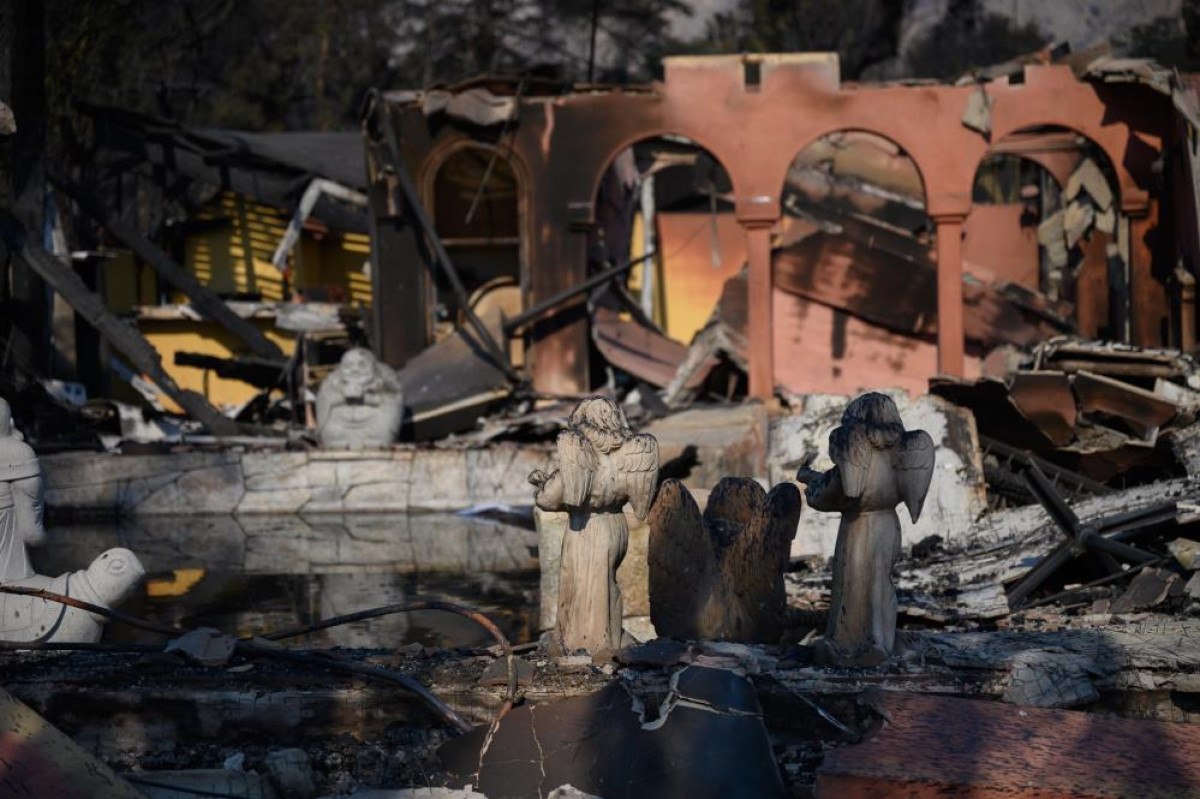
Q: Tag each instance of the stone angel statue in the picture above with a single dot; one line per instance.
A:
(601, 466)
(877, 465)
(719, 575)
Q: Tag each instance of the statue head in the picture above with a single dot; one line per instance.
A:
(878, 415)
(602, 422)
(357, 370)
(114, 575)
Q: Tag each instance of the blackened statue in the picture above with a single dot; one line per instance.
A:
(877, 465)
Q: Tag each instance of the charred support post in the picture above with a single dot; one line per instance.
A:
(1147, 301)
(761, 355)
(950, 337)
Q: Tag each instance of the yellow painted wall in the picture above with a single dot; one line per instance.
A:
(237, 258)
(120, 278)
(207, 338)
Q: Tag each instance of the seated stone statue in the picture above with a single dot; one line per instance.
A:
(108, 581)
(359, 405)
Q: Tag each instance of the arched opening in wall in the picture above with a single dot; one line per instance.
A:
(666, 204)
(855, 301)
(1045, 222)
(475, 193)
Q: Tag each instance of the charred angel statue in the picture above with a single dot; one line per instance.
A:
(719, 575)
(877, 465)
(602, 465)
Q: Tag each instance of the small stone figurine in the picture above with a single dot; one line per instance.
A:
(107, 581)
(359, 405)
(877, 465)
(602, 465)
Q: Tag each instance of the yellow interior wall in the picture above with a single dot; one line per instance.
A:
(341, 261)
(218, 258)
(120, 280)
(237, 257)
(170, 336)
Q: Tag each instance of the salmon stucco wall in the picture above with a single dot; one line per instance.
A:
(822, 350)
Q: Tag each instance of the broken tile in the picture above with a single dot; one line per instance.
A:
(1142, 410)
(1150, 588)
(1045, 398)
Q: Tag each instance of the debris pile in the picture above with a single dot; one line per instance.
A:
(1100, 414)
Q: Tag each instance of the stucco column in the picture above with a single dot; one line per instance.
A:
(759, 310)
(951, 339)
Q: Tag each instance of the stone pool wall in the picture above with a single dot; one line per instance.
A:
(399, 480)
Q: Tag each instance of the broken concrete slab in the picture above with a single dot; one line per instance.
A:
(291, 773)
(398, 480)
(957, 496)
(1186, 552)
(701, 445)
(707, 740)
(937, 747)
(39, 761)
(1041, 678)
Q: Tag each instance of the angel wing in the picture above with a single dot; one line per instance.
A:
(636, 461)
(913, 461)
(850, 449)
(752, 565)
(577, 464)
(681, 560)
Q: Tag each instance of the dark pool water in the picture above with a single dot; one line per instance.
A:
(252, 575)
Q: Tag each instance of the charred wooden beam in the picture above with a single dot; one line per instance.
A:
(258, 372)
(1099, 537)
(203, 299)
(412, 202)
(126, 338)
